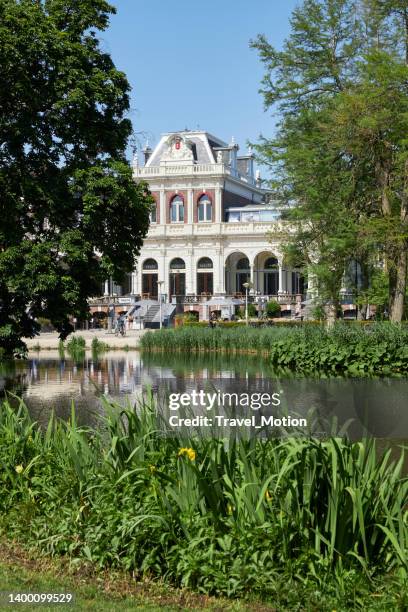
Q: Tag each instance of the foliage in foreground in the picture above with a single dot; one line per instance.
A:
(378, 348)
(220, 516)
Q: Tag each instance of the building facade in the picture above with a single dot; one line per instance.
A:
(212, 227)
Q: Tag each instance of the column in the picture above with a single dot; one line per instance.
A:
(289, 287)
(221, 268)
(280, 288)
(191, 278)
(218, 273)
(162, 205)
(135, 288)
(190, 217)
(251, 275)
(218, 205)
(106, 292)
(162, 273)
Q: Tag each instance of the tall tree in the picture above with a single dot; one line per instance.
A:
(340, 86)
(70, 213)
(370, 124)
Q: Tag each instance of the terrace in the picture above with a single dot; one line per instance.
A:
(169, 169)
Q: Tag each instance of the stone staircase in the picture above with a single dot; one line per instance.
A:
(151, 313)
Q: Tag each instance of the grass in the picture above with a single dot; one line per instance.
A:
(296, 522)
(98, 348)
(379, 348)
(23, 571)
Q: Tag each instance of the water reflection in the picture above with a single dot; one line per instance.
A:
(46, 382)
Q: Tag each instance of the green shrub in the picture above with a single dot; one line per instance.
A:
(319, 313)
(98, 347)
(190, 317)
(76, 347)
(252, 311)
(76, 342)
(61, 349)
(273, 309)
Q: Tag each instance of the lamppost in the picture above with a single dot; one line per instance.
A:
(247, 286)
(159, 284)
(111, 307)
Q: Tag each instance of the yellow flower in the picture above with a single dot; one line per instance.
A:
(152, 468)
(268, 496)
(19, 469)
(189, 452)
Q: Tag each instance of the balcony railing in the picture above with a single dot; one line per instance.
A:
(171, 169)
(283, 298)
(173, 230)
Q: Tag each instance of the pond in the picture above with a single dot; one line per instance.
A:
(376, 406)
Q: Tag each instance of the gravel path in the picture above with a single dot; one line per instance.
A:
(50, 340)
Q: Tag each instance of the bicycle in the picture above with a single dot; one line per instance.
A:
(120, 329)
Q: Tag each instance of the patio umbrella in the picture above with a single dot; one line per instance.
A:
(225, 303)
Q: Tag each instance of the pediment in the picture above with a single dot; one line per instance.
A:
(178, 149)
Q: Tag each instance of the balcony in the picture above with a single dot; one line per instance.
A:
(283, 298)
(169, 169)
(250, 228)
(117, 300)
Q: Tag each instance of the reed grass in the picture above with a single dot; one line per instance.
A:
(218, 515)
(378, 348)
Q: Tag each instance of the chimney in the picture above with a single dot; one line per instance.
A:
(147, 152)
(258, 179)
(135, 162)
(233, 154)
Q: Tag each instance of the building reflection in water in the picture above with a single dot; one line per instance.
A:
(46, 382)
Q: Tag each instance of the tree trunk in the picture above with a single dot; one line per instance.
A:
(364, 285)
(398, 283)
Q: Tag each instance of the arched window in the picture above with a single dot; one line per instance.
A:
(205, 276)
(153, 212)
(204, 208)
(177, 209)
(177, 264)
(150, 264)
(205, 263)
(243, 264)
(271, 263)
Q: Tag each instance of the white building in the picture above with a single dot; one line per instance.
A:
(212, 228)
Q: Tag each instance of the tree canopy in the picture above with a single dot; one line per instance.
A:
(340, 154)
(70, 213)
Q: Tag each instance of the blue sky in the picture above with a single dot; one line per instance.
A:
(190, 65)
